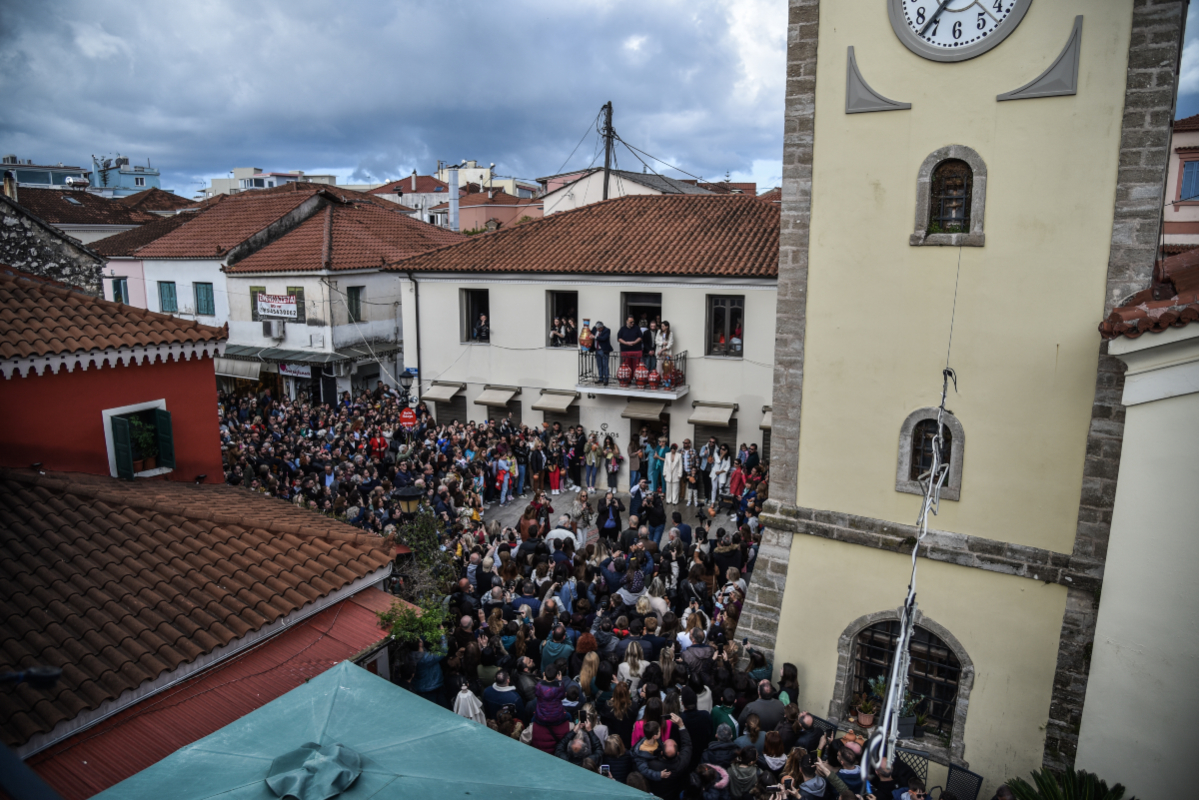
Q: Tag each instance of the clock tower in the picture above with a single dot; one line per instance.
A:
(968, 184)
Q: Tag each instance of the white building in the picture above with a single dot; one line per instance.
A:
(587, 187)
(706, 264)
(1182, 187)
(485, 178)
(1147, 642)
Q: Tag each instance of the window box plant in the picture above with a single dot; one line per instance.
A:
(867, 708)
(145, 442)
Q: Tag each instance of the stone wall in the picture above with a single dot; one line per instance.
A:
(1154, 55)
(31, 245)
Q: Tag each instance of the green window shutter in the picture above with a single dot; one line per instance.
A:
(166, 440)
(122, 445)
(298, 291)
(166, 297)
(254, 292)
(205, 302)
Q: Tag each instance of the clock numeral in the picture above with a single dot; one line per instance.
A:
(957, 30)
(920, 15)
(982, 20)
(998, 6)
(936, 24)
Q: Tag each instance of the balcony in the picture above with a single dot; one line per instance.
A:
(664, 379)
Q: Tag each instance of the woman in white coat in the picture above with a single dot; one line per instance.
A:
(720, 471)
(672, 473)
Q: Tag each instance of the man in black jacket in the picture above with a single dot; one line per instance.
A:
(579, 745)
(699, 723)
(664, 763)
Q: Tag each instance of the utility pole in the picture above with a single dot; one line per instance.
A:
(607, 144)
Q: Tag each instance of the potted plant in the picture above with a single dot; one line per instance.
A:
(921, 721)
(145, 444)
(866, 711)
(907, 715)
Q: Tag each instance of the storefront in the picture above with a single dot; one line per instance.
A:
(322, 375)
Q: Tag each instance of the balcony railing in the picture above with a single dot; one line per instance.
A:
(633, 373)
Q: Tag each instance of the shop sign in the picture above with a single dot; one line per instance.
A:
(277, 306)
(295, 370)
(408, 419)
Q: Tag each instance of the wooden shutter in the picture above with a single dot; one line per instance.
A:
(166, 441)
(1190, 181)
(298, 291)
(254, 292)
(122, 446)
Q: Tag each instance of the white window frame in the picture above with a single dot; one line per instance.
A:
(139, 181)
(107, 415)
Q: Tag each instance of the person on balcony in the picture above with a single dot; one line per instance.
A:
(649, 337)
(602, 338)
(482, 331)
(664, 347)
(630, 343)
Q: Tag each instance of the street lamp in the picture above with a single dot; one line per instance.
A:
(409, 499)
(405, 381)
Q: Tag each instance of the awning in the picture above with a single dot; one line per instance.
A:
(442, 392)
(711, 414)
(643, 409)
(355, 353)
(767, 420)
(495, 397)
(233, 368)
(555, 402)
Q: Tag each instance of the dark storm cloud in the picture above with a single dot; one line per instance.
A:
(377, 89)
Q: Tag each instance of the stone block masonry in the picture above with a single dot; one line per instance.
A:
(33, 246)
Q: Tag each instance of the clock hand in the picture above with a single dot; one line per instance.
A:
(933, 19)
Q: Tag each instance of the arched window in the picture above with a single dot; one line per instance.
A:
(916, 452)
(949, 211)
(934, 673)
(923, 437)
(951, 196)
(941, 671)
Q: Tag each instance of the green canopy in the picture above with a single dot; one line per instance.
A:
(401, 746)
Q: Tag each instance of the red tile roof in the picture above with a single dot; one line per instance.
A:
(347, 236)
(774, 195)
(120, 582)
(127, 243)
(139, 736)
(725, 187)
(424, 184)
(496, 198)
(728, 235)
(1186, 124)
(73, 207)
(38, 318)
(1171, 301)
(155, 199)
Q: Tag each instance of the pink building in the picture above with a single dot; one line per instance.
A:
(488, 210)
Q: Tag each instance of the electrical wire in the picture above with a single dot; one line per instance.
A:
(590, 127)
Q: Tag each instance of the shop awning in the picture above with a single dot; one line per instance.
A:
(442, 392)
(355, 353)
(234, 368)
(711, 414)
(555, 402)
(643, 409)
(767, 420)
(496, 396)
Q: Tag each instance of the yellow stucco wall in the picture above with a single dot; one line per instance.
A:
(1008, 627)
(1024, 342)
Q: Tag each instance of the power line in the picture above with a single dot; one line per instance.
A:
(590, 126)
(660, 161)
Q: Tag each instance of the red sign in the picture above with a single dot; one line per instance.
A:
(408, 418)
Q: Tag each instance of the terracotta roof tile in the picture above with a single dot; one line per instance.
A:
(1186, 124)
(729, 235)
(73, 207)
(425, 184)
(38, 318)
(774, 195)
(347, 236)
(495, 198)
(116, 611)
(1171, 301)
(155, 199)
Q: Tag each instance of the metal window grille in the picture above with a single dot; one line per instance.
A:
(952, 184)
(922, 447)
(934, 671)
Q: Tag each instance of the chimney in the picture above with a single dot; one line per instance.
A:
(413, 180)
(454, 198)
(10, 185)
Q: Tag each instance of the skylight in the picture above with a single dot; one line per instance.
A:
(70, 199)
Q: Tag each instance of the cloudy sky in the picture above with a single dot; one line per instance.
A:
(371, 90)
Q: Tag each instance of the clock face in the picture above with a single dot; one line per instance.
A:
(954, 30)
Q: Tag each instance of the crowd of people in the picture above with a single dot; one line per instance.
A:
(607, 640)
